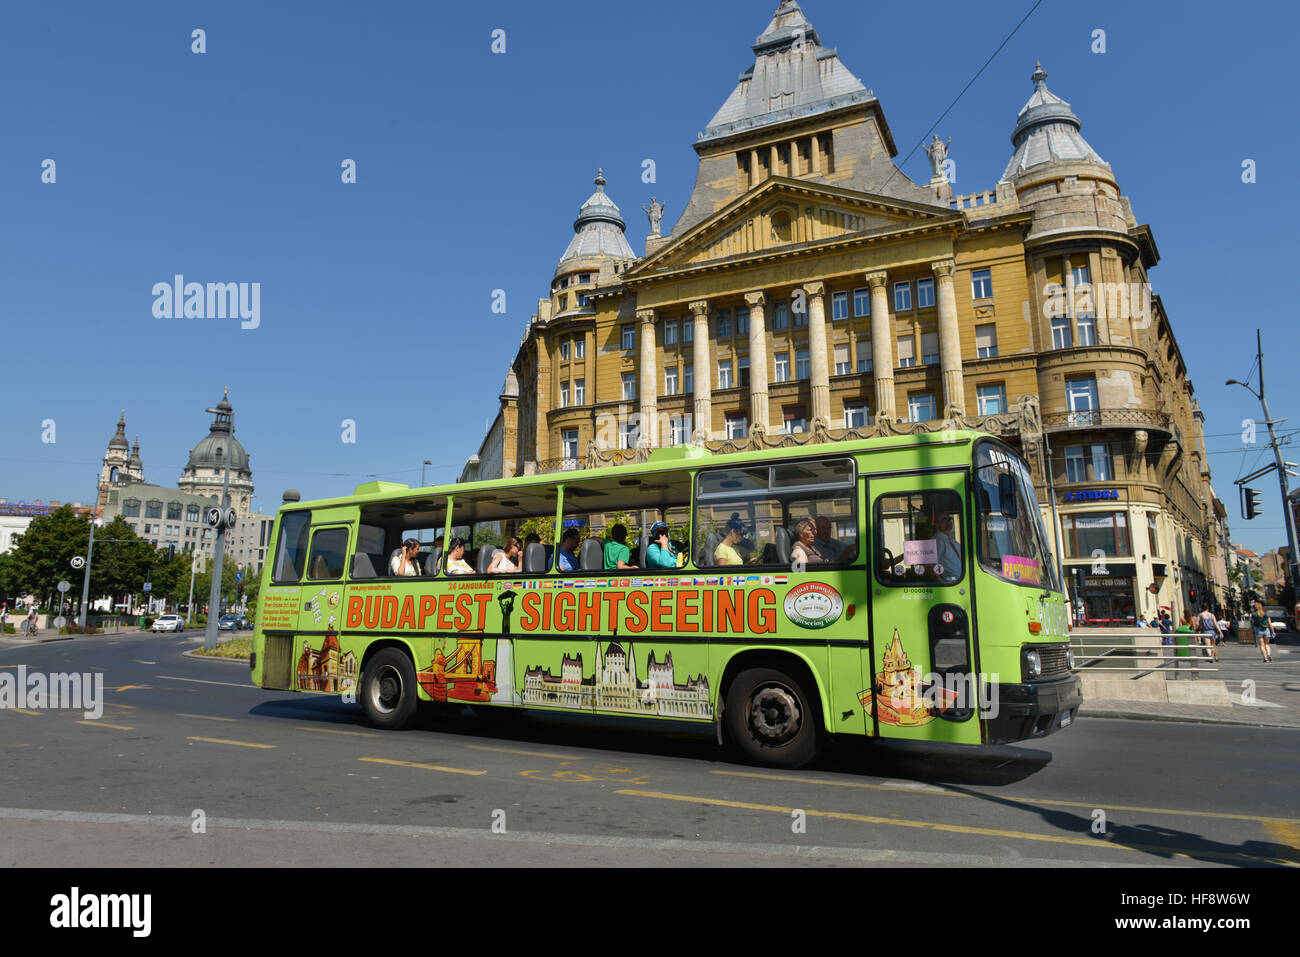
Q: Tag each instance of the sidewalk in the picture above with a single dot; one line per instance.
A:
(1263, 695)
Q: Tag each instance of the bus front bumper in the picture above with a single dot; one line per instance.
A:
(1032, 710)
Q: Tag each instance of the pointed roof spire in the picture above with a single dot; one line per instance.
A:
(1047, 131)
(118, 441)
(1040, 76)
(599, 227)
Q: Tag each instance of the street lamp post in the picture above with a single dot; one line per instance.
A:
(90, 548)
(422, 467)
(1287, 515)
(219, 546)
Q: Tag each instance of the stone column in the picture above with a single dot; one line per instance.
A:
(817, 351)
(648, 389)
(882, 343)
(954, 388)
(758, 417)
(703, 426)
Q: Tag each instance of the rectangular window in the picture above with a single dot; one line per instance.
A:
(920, 407)
(924, 293)
(781, 367)
(1075, 470)
(737, 426)
(861, 302)
(855, 415)
(678, 433)
(781, 316)
(153, 509)
(629, 338)
(329, 548)
(1087, 330)
(724, 325)
(174, 511)
(864, 355)
(1061, 338)
(1082, 276)
(564, 350)
(628, 435)
(1152, 538)
(801, 315)
(802, 364)
(902, 297)
(688, 330)
(579, 391)
(742, 322)
(564, 395)
(751, 514)
(794, 418)
(629, 385)
(724, 373)
(1081, 397)
(569, 441)
(1101, 468)
(191, 513)
(1086, 533)
(670, 333)
(131, 507)
(291, 550)
(579, 347)
(742, 370)
(992, 399)
(842, 366)
(688, 378)
(839, 306)
(929, 348)
(923, 533)
(906, 352)
(986, 341)
(981, 284)
(670, 381)
(582, 300)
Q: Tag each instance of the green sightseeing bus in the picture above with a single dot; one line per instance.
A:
(897, 587)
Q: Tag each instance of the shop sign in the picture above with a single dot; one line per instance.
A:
(1092, 494)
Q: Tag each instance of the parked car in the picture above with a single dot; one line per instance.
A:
(243, 624)
(168, 623)
(1278, 616)
(227, 622)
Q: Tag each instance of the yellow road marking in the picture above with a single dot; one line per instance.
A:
(133, 688)
(102, 724)
(205, 717)
(241, 744)
(21, 710)
(359, 734)
(10, 666)
(1288, 834)
(123, 704)
(1032, 802)
(531, 754)
(966, 829)
(427, 767)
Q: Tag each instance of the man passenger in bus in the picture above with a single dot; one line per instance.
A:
(832, 549)
(616, 551)
(456, 564)
(807, 550)
(568, 561)
(660, 553)
(725, 553)
(406, 563)
(949, 552)
(506, 561)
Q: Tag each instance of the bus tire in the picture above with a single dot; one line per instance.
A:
(388, 690)
(770, 719)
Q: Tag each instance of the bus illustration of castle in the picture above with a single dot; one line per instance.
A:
(897, 693)
(327, 669)
(615, 687)
(465, 676)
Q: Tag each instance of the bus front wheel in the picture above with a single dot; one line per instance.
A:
(388, 690)
(770, 719)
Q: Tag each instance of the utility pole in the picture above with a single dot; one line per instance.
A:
(214, 594)
(90, 548)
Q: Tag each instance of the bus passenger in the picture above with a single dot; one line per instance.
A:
(568, 561)
(660, 553)
(456, 564)
(725, 553)
(949, 552)
(506, 562)
(616, 551)
(807, 550)
(406, 563)
(832, 549)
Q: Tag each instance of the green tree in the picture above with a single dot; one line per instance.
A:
(43, 554)
(544, 527)
(121, 562)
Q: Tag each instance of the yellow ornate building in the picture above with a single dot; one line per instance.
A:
(810, 290)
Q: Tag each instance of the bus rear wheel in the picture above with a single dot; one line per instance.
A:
(770, 719)
(388, 690)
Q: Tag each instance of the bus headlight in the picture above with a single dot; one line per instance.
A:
(1069, 658)
(1032, 664)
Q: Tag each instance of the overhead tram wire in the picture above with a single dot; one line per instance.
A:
(969, 84)
(396, 471)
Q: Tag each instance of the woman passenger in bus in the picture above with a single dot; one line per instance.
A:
(807, 550)
(506, 562)
(725, 553)
(660, 553)
(406, 563)
(456, 564)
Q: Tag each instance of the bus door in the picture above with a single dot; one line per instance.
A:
(319, 663)
(923, 664)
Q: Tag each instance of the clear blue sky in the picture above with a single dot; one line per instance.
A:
(471, 167)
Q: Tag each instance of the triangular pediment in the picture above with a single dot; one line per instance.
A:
(787, 214)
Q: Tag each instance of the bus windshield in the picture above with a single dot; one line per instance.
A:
(1012, 540)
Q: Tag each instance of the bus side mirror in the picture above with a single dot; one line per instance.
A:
(1007, 495)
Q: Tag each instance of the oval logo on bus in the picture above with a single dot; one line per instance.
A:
(813, 605)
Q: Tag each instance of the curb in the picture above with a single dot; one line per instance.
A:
(1140, 716)
(199, 657)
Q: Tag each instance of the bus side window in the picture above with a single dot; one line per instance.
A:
(291, 550)
(918, 538)
(328, 548)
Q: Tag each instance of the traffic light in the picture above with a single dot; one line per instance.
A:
(1191, 594)
(1252, 503)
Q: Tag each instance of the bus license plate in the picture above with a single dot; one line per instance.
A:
(1066, 717)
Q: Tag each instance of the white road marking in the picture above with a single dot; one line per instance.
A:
(228, 684)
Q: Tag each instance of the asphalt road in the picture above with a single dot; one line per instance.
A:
(190, 764)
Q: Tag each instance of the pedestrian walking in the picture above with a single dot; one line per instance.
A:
(1209, 629)
(4, 617)
(1262, 626)
(1166, 628)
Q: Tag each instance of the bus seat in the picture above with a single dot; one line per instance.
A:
(711, 543)
(783, 546)
(534, 559)
(485, 558)
(431, 563)
(642, 543)
(592, 557)
(388, 566)
(363, 565)
(549, 551)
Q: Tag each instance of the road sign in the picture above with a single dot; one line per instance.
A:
(213, 516)
(63, 586)
(78, 562)
(147, 586)
(239, 576)
(230, 518)
(59, 622)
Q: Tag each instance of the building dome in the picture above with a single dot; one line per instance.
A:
(598, 229)
(1047, 131)
(204, 473)
(211, 452)
(118, 441)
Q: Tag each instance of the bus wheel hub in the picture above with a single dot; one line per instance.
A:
(774, 715)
